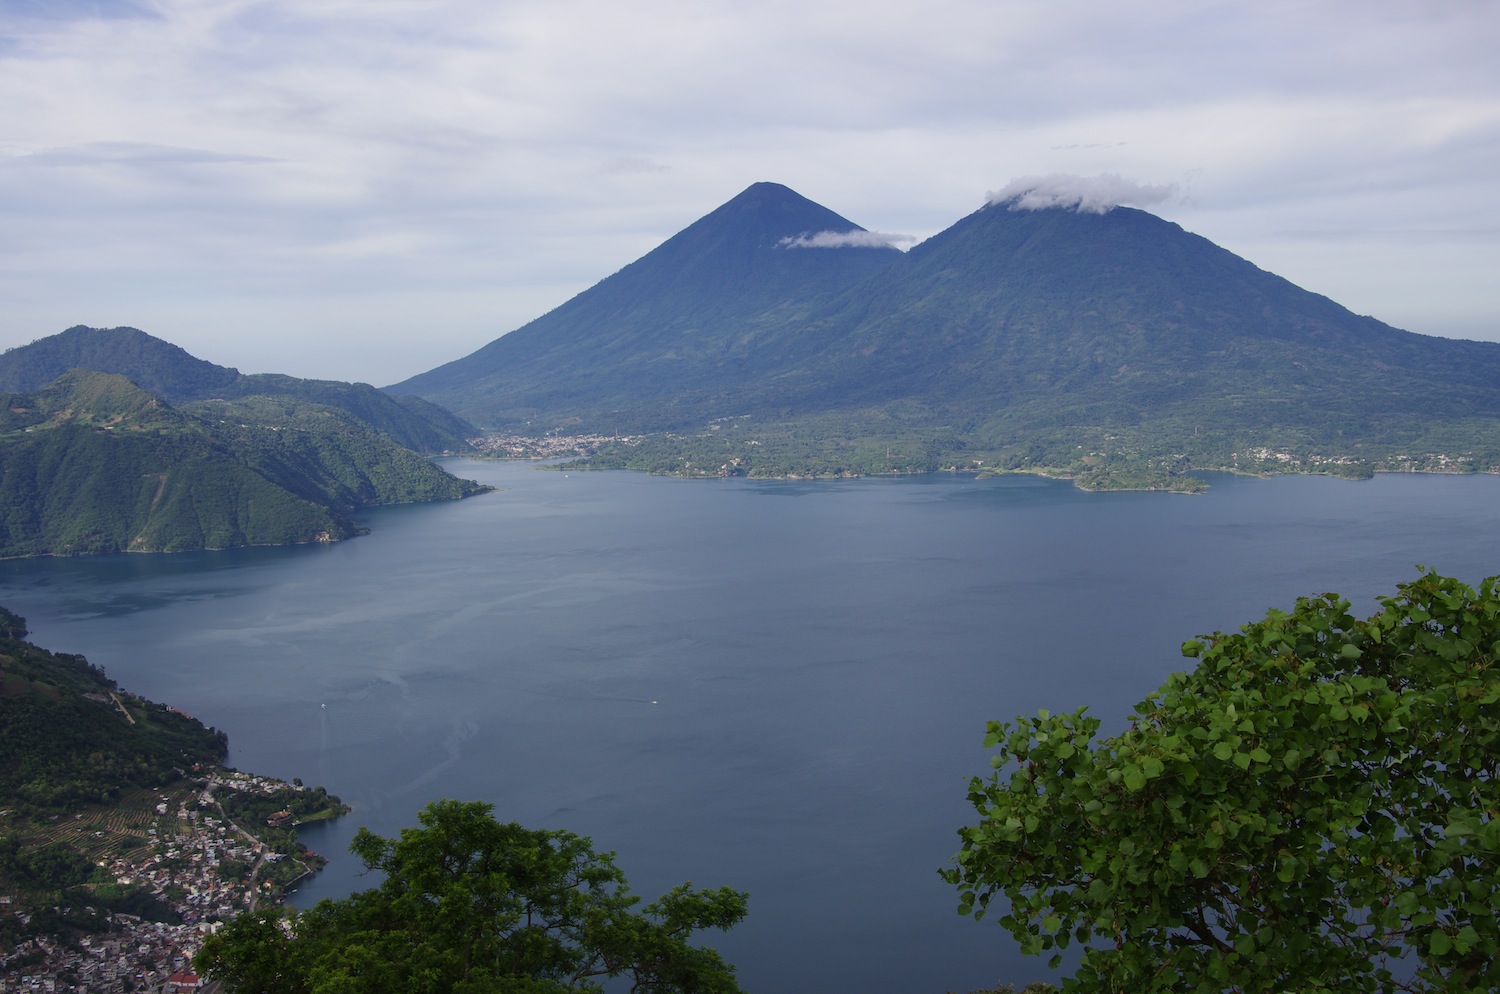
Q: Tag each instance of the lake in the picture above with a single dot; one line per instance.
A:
(778, 686)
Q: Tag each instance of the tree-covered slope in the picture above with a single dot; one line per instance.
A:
(325, 453)
(69, 736)
(170, 373)
(93, 464)
(155, 366)
(413, 422)
(118, 817)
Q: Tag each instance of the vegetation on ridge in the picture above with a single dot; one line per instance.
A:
(171, 374)
(71, 737)
(93, 464)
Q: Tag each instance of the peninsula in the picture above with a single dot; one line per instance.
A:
(124, 839)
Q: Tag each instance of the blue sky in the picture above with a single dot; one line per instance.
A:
(365, 189)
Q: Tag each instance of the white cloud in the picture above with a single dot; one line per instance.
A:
(1087, 194)
(266, 181)
(848, 239)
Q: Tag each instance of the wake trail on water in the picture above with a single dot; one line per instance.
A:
(589, 697)
(461, 731)
(323, 745)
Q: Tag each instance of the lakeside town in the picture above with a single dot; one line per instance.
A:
(204, 851)
(546, 446)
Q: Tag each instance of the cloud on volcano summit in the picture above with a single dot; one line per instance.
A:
(1088, 194)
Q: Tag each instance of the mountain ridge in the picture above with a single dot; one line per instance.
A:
(171, 373)
(92, 463)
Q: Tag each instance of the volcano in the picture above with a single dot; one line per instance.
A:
(1030, 334)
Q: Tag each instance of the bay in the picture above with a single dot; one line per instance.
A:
(778, 686)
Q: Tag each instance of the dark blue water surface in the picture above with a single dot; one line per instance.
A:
(781, 687)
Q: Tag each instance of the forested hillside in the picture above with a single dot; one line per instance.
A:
(122, 834)
(92, 463)
(168, 372)
(71, 737)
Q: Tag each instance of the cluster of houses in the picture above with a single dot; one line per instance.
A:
(546, 446)
(144, 957)
(183, 869)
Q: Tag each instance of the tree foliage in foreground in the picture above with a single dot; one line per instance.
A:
(1313, 808)
(475, 906)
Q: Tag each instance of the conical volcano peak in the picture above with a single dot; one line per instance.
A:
(696, 306)
(764, 193)
(776, 216)
(770, 214)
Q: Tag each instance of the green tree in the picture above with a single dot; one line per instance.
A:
(475, 906)
(1313, 808)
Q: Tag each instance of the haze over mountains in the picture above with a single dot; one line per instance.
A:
(1016, 335)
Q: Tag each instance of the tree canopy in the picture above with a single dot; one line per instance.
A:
(471, 905)
(1312, 808)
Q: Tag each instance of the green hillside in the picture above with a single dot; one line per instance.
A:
(116, 810)
(94, 464)
(166, 371)
(71, 737)
(158, 367)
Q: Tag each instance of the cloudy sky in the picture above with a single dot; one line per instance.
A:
(364, 189)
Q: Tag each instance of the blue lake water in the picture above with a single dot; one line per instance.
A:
(778, 686)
